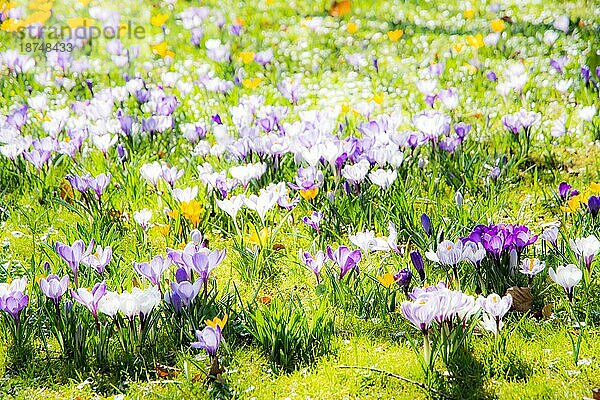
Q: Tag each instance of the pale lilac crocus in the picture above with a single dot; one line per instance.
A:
(208, 339)
(314, 263)
(448, 253)
(90, 299)
(73, 255)
(13, 304)
(531, 267)
(154, 269)
(345, 259)
(99, 260)
(585, 249)
(54, 287)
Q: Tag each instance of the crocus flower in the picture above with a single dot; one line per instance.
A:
(567, 277)
(183, 293)
(426, 224)
(531, 267)
(154, 269)
(495, 306)
(90, 299)
(550, 235)
(142, 218)
(14, 303)
(73, 255)
(447, 253)
(585, 249)
(208, 339)
(420, 312)
(403, 278)
(99, 260)
(314, 221)
(417, 262)
(314, 263)
(565, 191)
(593, 205)
(345, 259)
(54, 287)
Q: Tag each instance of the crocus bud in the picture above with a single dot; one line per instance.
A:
(426, 224)
(417, 262)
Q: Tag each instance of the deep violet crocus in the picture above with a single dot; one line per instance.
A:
(417, 261)
(345, 259)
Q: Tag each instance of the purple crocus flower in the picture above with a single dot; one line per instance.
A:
(426, 224)
(345, 258)
(13, 303)
(99, 184)
(586, 74)
(462, 129)
(183, 293)
(314, 263)
(308, 178)
(417, 261)
(559, 63)
(492, 76)
(216, 118)
(236, 29)
(154, 269)
(264, 57)
(74, 254)
(565, 192)
(403, 278)
(37, 157)
(54, 287)
(593, 205)
(208, 339)
(314, 221)
(90, 299)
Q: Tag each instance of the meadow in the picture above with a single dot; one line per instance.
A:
(269, 199)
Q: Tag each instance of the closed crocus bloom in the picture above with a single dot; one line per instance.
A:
(567, 277)
(490, 324)
(314, 263)
(143, 218)
(54, 287)
(585, 249)
(151, 172)
(14, 303)
(208, 339)
(420, 312)
(417, 261)
(147, 300)
(474, 252)
(550, 235)
(426, 224)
